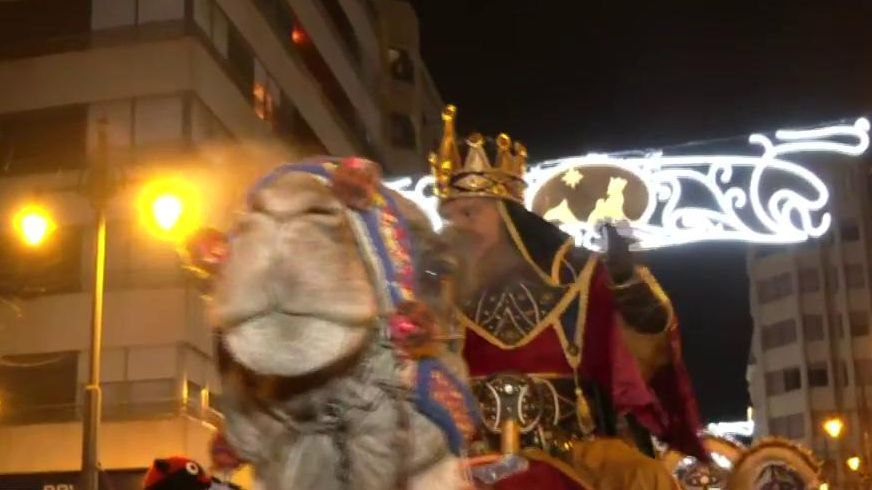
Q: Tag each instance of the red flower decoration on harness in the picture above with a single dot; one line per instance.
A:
(356, 181)
(207, 250)
(413, 329)
(224, 457)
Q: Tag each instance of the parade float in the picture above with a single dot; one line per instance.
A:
(765, 194)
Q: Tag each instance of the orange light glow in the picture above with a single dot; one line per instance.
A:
(33, 224)
(298, 36)
(170, 208)
(834, 426)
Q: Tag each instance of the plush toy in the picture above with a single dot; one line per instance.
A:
(180, 473)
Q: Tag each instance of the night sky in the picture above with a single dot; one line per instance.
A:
(569, 77)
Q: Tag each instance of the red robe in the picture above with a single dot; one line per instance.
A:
(644, 375)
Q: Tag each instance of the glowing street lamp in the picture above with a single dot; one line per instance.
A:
(33, 224)
(853, 463)
(169, 208)
(834, 426)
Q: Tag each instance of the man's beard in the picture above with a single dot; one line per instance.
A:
(488, 269)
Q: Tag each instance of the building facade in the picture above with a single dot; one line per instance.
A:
(811, 355)
(164, 79)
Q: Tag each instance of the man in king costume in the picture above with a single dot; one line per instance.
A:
(575, 356)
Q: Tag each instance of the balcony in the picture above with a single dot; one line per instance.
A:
(121, 411)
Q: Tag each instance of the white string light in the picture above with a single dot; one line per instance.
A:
(740, 428)
(786, 215)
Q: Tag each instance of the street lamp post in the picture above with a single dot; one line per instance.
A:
(169, 209)
(99, 193)
(834, 427)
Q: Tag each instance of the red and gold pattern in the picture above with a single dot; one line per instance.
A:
(395, 238)
(598, 349)
(445, 393)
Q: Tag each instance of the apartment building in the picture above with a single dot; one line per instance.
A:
(163, 79)
(811, 355)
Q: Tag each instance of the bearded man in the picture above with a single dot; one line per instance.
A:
(569, 351)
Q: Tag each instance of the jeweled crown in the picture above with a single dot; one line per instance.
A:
(474, 175)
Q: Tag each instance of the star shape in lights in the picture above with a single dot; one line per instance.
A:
(572, 177)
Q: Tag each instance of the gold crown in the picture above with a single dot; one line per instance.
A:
(475, 176)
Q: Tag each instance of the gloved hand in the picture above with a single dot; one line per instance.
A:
(634, 299)
(619, 260)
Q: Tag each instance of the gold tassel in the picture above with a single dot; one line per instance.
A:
(585, 417)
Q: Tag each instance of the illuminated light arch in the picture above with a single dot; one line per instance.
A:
(783, 215)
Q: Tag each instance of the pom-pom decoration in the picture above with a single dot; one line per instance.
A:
(413, 329)
(206, 251)
(224, 457)
(356, 181)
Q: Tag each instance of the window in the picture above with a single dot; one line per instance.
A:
(843, 374)
(265, 93)
(402, 131)
(839, 327)
(241, 60)
(849, 231)
(54, 267)
(27, 21)
(158, 120)
(789, 426)
(863, 371)
(813, 327)
(152, 397)
(401, 66)
(833, 278)
(327, 81)
(152, 390)
(205, 125)
(160, 10)
(193, 395)
(774, 288)
(809, 280)
(43, 141)
(343, 26)
(774, 383)
(297, 42)
(213, 23)
(107, 14)
(292, 127)
(778, 382)
(858, 322)
(792, 379)
(855, 277)
(221, 32)
(779, 334)
(39, 387)
(818, 374)
(282, 19)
